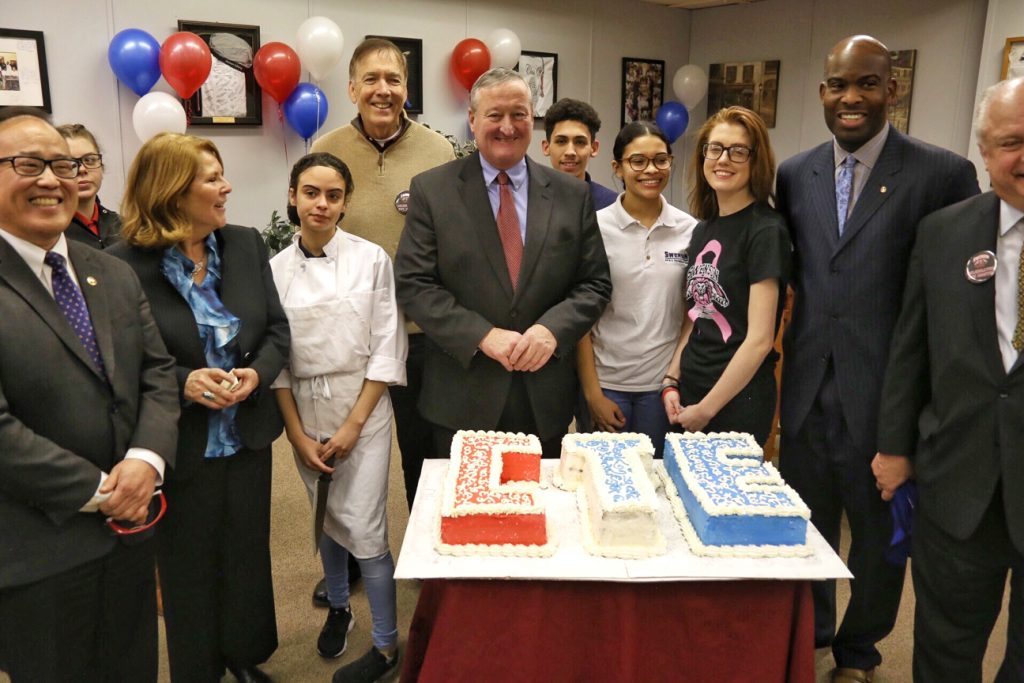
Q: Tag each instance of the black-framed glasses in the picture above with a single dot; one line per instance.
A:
(640, 162)
(91, 161)
(30, 167)
(737, 153)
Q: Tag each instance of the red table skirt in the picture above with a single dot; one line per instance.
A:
(524, 631)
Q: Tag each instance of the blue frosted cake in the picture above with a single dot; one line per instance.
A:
(611, 474)
(728, 501)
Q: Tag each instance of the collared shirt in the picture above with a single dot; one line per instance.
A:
(91, 224)
(866, 156)
(519, 179)
(1008, 247)
(33, 257)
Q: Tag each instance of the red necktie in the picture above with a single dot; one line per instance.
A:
(508, 228)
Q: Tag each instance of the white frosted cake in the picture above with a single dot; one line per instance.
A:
(611, 474)
(728, 501)
(490, 501)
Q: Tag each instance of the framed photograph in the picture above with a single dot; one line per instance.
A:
(540, 69)
(23, 78)
(1013, 58)
(412, 48)
(903, 71)
(754, 85)
(643, 88)
(230, 96)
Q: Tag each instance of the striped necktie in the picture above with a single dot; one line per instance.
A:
(1018, 331)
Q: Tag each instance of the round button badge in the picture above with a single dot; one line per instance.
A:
(981, 267)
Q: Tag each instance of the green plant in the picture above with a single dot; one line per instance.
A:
(278, 233)
(462, 149)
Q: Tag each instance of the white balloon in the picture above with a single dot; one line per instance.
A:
(319, 42)
(690, 85)
(157, 112)
(504, 47)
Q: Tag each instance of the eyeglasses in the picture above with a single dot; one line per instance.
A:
(639, 162)
(91, 161)
(30, 167)
(738, 153)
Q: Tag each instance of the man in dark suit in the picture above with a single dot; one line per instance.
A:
(953, 402)
(502, 265)
(852, 204)
(88, 420)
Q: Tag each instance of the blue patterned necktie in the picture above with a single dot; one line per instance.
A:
(844, 188)
(72, 303)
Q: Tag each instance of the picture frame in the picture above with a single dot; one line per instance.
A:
(230, 96)
(24, 80)
(751, 84)
(540, 70)
(1013, 58)
(643, 88)
(903, 65)
(412, 48)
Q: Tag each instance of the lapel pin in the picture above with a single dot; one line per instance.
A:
(981, 267)
(91, 281)
(883, 189)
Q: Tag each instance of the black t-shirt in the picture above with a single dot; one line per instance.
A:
(727, 255)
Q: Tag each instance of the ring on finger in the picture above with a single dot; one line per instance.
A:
(208, 395)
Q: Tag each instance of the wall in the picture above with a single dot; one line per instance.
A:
(589, 36)
(1005, 20)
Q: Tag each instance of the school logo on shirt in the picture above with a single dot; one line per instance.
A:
(704, 289)
(676, 257)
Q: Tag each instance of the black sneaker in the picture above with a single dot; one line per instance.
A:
(370, 668)
(334, 635)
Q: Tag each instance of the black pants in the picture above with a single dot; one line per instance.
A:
(832, 473)
(95, 622)
(959, 587)
(415, 434)
(213, 551)
(750, 411)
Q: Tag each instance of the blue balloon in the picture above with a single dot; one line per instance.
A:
(673, 119)
(134, 55)
(306, 109)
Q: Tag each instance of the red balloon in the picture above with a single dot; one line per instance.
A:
(185, 62)
(470, 59)
(277, 69)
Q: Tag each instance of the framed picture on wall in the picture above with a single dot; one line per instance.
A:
(1013, 58)
(754, 85)
(540, 69)
(643, 88)
(230, 96)
(23, 78)
(903, 62)
(412, 48)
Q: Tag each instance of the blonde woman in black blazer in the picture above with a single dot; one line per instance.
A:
(213, 549)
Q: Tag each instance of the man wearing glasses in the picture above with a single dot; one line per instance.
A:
(852, 204)
(88, 420)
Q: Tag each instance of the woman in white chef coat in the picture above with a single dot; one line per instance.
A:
(348, 345)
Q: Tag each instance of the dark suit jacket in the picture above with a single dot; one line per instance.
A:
(247, 290)
(110, 230)
(848, 291)
(947, 402)
(61, 422)
(453, 282)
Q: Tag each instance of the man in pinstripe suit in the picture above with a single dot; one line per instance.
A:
(852, 223)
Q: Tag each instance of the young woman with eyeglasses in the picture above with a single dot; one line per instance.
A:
(622, 359)
(93, 223)
(721, 377)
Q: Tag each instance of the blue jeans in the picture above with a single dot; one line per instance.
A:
(379, 579)
(644, 413)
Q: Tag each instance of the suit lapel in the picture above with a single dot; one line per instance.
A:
(822, 193)
(16, 273)
(878, 188)
(979, 234)
(538, 219)
(93, 282)
(471, 189)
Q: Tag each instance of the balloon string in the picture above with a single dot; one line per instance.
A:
(316, 131)
(284, 137)
(188, 112)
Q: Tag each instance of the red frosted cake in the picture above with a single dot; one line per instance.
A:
(490, 502)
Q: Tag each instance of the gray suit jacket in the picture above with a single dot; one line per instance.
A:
(848, 290)
(947, 401)
(452, 281)
(61, 422)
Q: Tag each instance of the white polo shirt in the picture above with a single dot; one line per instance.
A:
(635, 338)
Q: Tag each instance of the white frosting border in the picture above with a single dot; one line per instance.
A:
(698, 547)
(797, 508)
(448, 508)
(571, 446)
(615, 551)
(641, 480)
